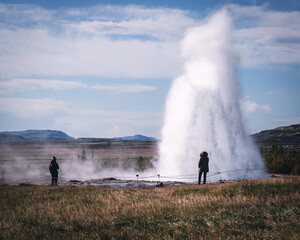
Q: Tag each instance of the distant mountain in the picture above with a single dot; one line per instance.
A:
(7, 138)
(289, 135)
(39, 134)
(136, 138)
(55, 136)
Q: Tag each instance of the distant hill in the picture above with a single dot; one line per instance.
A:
(7, 138)
(39, 134)
(136, 138)
(54, 136)
(128, 138)
(289, 136)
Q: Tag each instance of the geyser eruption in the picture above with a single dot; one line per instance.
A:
(203, 109)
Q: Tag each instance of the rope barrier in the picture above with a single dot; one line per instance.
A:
(137, 177)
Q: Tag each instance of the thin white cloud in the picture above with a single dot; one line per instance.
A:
(134, 88)
(24, 13)
(15, 85)
(37, 84)
(289, 121)
(251, 107)
(162, 25)
(31, 108)
(266, 37)
(275, 92)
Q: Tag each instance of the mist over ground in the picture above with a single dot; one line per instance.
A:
(77, 161)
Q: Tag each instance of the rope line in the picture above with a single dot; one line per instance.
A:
(138, 177)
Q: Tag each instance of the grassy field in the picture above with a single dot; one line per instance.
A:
(243, 210)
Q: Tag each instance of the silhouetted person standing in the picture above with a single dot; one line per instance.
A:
(203, 166)
(53, 167)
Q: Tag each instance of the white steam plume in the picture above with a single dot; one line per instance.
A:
(202, 107)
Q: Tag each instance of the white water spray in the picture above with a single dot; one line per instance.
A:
(202, 108)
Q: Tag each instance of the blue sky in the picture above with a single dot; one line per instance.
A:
(103, 68)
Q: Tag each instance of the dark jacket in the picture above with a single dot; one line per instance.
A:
(203, 164)
(53, 167)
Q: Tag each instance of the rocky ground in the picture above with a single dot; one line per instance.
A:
(119, 183)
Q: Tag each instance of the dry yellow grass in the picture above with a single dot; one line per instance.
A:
(243, 210)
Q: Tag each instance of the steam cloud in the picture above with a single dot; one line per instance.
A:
(203, 110)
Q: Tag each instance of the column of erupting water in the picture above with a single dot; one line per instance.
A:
(203, 110)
